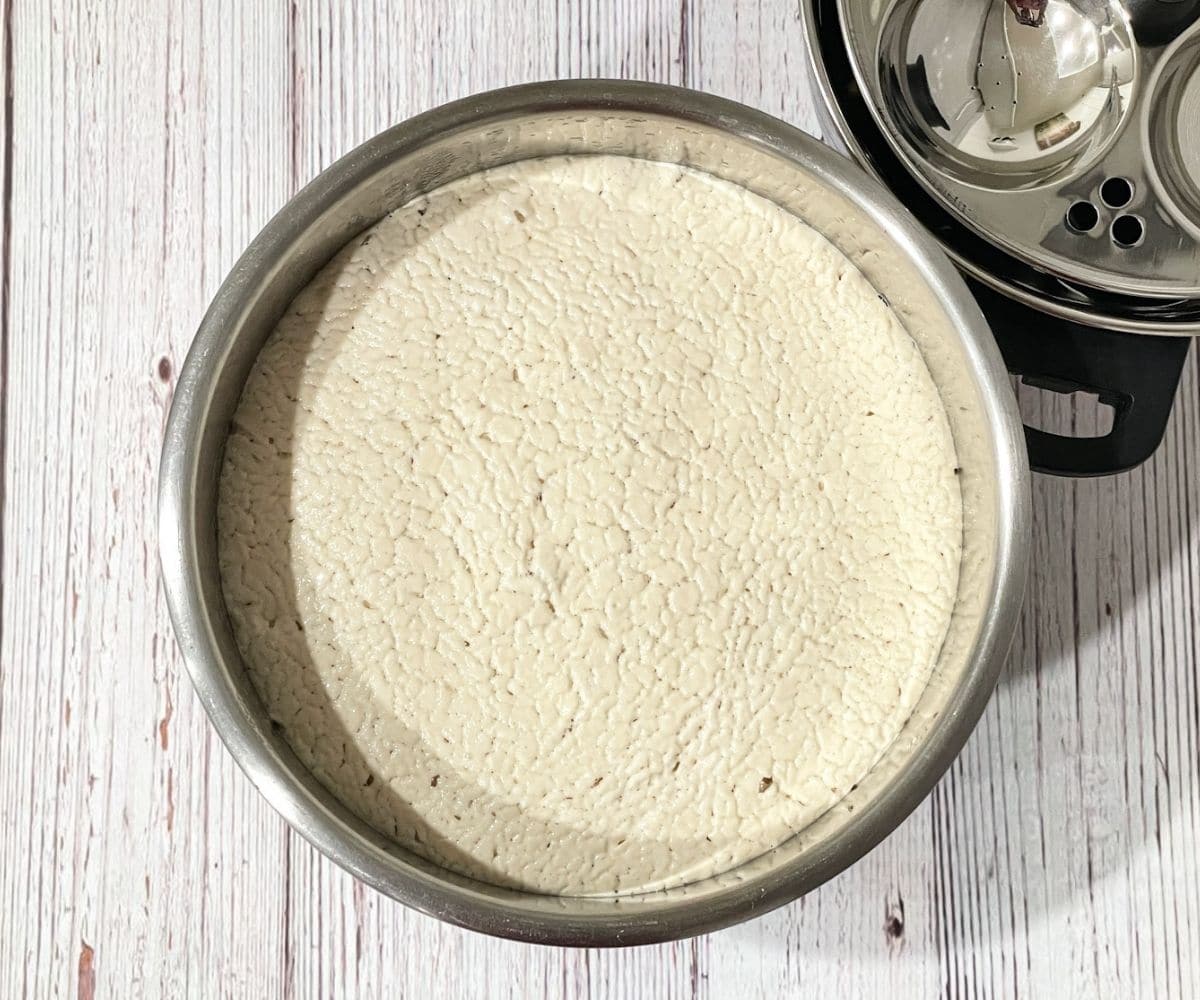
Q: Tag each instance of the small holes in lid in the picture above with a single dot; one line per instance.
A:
(1082, 217)
(1127, 231)
(1116, 192)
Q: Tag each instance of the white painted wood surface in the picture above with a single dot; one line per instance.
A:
(144, 145)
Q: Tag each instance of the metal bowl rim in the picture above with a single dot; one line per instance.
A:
(485, 910)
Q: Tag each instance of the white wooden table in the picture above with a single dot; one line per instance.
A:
(144, 145)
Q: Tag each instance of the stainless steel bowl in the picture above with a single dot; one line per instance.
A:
(722, 138)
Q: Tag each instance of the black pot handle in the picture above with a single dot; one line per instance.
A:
(1135, 374)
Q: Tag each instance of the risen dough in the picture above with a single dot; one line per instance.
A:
(590, 525)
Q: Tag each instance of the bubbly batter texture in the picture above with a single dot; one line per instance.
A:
(590, 525)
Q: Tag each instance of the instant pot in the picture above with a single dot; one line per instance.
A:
(1051, 147)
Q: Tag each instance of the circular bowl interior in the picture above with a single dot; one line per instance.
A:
(968, 89)
(666, 124)
(1007, 119)
(1172, 128)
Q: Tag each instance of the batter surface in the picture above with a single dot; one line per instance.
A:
(589, 525)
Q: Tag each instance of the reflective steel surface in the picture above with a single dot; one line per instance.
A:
(1010, 113)
(849, 124)
(1172, 131)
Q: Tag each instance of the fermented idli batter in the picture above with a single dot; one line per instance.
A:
(589, 525)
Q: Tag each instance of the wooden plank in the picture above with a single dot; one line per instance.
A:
(147, 142)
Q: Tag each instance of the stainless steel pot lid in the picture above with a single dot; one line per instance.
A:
(1052, 128)
(1008, 274)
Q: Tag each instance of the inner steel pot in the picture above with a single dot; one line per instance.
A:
(730, 141)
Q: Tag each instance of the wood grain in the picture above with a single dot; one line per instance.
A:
(144, 145)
